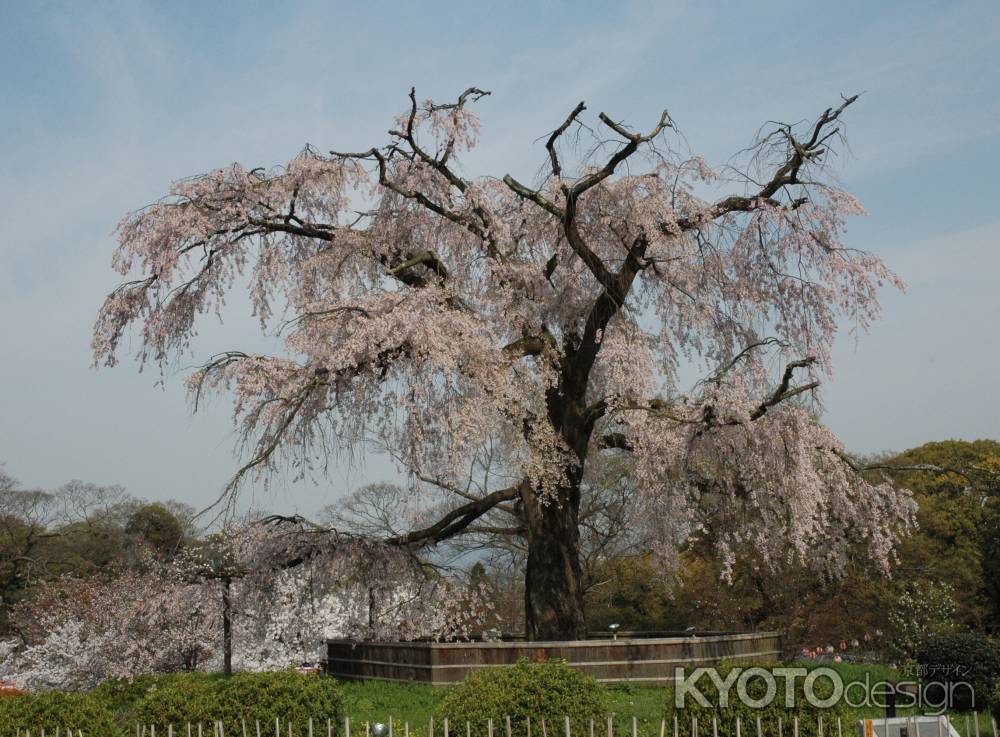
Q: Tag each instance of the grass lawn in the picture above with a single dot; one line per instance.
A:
(412, 706)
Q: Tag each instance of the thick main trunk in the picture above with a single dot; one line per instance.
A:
(553, 590)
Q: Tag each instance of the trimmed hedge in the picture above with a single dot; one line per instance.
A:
(56, 709)
(250, 697)
(961, 658)
(757, 691)
(549, 690)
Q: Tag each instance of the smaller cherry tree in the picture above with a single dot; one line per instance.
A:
(78, 632)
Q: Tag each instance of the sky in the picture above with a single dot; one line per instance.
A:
(105, 103)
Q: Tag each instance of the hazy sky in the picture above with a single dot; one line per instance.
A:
(103, 104)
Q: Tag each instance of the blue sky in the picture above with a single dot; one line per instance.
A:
(105, 103)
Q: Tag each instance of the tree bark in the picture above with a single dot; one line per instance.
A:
(227, 629)
(553, 582)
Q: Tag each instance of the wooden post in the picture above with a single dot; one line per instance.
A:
(199, 729)
(977, 724)
(446, 727)
(390, 726)
(489, 727)
(257, 726)
(819, 725)
(567, 728)
(277, 728)
(694, 726)
(468, 729)
(635, 730)
(779, 727)
(840, 730)
(347, 727)
(663, 728)
(676, 731)
(510, 732)
(715, 726)
(759, 732)
(544, 731)
(310, 729)
(737, 727)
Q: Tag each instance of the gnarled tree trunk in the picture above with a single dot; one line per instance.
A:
(553, 584)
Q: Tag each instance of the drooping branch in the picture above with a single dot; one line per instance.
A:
(457, 520)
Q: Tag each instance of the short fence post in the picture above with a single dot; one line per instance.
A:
(977, 725)
(635, 726)
(694, 726)
(509, 730)
(737, 727)
(968, 731)
(446, 727)
(567, 727)
(347, 727)
(310, 728)
(759, 732)
(715, 726)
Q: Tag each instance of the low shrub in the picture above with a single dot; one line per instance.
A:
(757, 691)
(246, 697)
(955, 660)
(549, 690)
(55, 710)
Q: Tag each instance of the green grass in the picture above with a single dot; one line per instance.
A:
(412, 705)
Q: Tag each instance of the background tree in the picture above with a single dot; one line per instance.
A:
(493, 330)
(157, 527)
